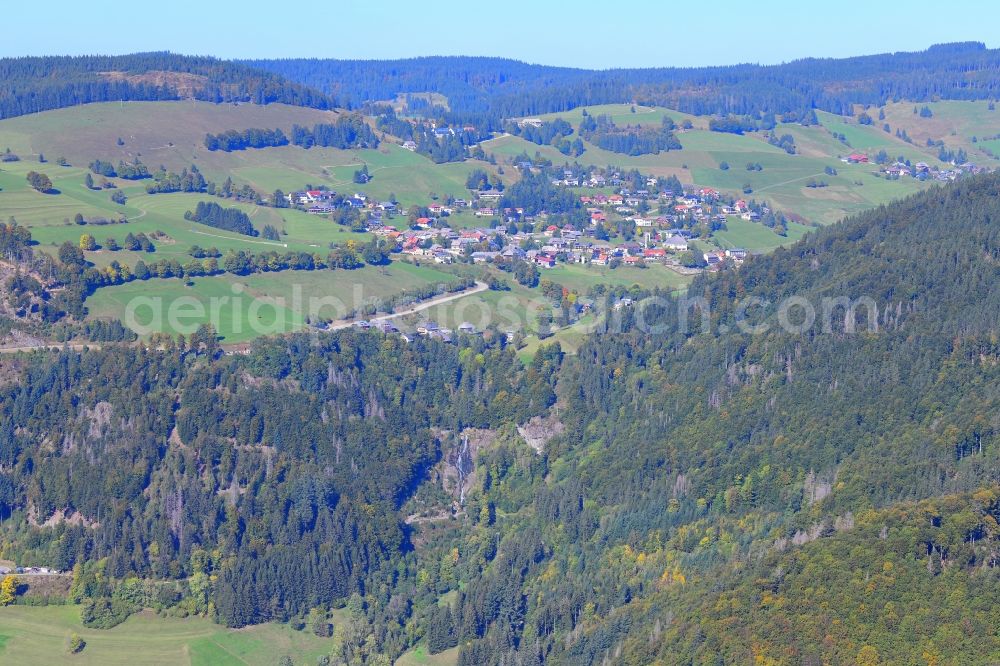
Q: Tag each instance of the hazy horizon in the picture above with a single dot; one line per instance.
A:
(653, 35)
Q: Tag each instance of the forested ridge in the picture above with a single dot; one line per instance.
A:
(33, 84)
(487, 90)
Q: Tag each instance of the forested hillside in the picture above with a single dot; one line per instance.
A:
(808, 497)
(33, 84)
(721, 479)
(494, 88)
(279, 475)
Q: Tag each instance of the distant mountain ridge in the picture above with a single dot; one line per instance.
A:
(486, 89)
(34, 84)
(504, 87)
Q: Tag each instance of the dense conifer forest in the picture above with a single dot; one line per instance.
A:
(33, 84)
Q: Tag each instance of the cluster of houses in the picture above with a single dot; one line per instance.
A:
(920, 170)
(428, 329)
(546, 249)
(696, 205)
(324, 202)
(659, 235)
(716, 259)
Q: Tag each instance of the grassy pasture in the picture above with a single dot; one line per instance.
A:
(49, 216)
(754, 236)
(954, 122)
(419, 656)
(244, 307)
(872, 138)
(580, 278)
(172, 134)
(621, 114)
(37, 635)
(518, 308)
(168, 133)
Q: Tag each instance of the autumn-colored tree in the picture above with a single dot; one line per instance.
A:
(8, 590)
(867, 656)
(87, 243)
(39, 181)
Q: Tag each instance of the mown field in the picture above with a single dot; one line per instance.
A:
(628, 114)
(518, 309)
(38, 635)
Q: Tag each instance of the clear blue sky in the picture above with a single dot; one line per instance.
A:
(581, 33)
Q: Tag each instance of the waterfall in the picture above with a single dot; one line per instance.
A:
(460, 467)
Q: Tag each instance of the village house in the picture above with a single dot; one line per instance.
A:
(482, 257)
(654, 253)
(714, 259)
(545, 260)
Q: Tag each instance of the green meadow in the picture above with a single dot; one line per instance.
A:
(419, 656)
(580, 278)
(623, 114)
(518, 309)
(245, 307)
(172, 134)
(754, 236)
(38, 635)
(956, 123)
